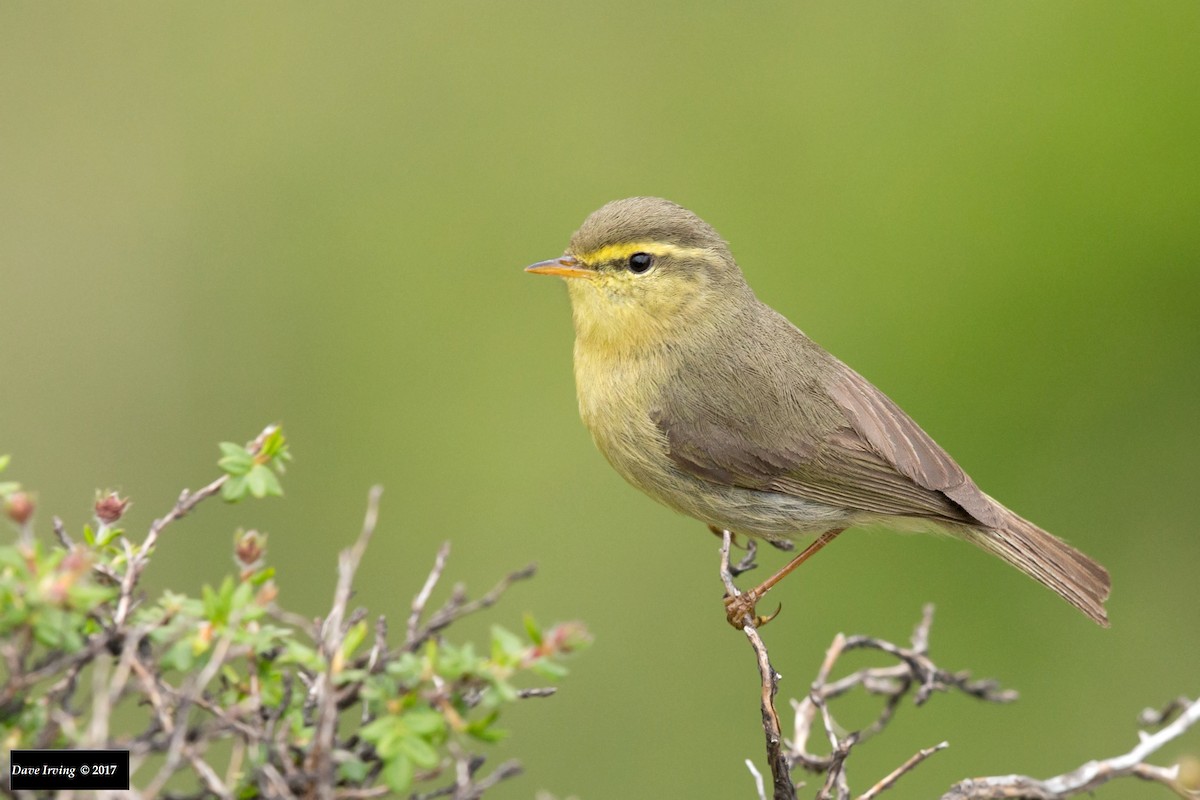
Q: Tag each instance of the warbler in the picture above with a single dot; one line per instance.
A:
(715, 405)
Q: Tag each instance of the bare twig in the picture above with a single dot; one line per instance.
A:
(915, 673)
(889, 780)
(759, 790)
(1094, 773)
(918, 674)
(458, 606)
(418, 603)
(1153, 717)
(60, 533)
(175, 751)
(781, 776)
(320, 754)
(186, 502)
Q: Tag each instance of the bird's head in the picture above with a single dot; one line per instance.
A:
(643, 272)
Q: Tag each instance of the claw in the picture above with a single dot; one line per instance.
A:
(759, 620)
(747, 562)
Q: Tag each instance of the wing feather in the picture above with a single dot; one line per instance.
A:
(819, 431)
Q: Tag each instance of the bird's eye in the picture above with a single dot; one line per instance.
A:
(640, 262)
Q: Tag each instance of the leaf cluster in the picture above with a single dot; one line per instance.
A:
(297, 707)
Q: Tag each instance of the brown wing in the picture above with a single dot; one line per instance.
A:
(812, 427)
(901, 443)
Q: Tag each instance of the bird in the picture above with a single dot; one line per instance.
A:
(717, 406)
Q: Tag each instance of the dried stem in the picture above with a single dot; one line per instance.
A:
(1095, 773)
(781, 775)
(320, 755)
(915, 673)
(187, 501)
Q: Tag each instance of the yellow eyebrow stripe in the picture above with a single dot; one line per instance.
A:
(620, 252)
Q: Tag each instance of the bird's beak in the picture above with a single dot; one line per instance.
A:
(565, 267)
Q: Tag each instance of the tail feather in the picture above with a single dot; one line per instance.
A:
(1052, 562)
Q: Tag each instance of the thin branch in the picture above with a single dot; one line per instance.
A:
(781, 776)
(175, 750)
(418, 603)
(183, 506)
(458, 606)
(890, 779)
(60, 533)
(759, 789)
(916, 670)
(320, 754)
(1094, 773)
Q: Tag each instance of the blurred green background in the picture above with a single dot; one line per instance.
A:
(213, 216)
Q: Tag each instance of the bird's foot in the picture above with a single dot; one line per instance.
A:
(746, 562)
(742, 606)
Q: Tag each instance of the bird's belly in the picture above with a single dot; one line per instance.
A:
(638, 451)
(771, 515)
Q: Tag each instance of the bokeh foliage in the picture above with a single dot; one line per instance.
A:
(219, 213)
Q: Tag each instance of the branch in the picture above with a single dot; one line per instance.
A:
(320, 756)
(458, 606)
(1094, 773)
(781, 773)
(916, 673)
(418, 603)
(186, 502)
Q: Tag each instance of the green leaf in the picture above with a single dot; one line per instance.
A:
(236, 460)
(4, 459)
(8, 487)
(270, 687)
(354, 637)
(458, 662)
(506, 645)
(9, 557)
(385, 733)
(420, 751)
(88, 596)
(505, 690)
(180, 657)
(296, 652)
(533, 630)
(274, 489)
(406, 668)
(482, 729)
(218, 602)
(353, 770)
(398, 774)
(107, 534)
(48, 627)
(425, 721)
(262, 576)
(274, 448)
(242, 596)
(230, 449)
(234, 489)
(548, 668)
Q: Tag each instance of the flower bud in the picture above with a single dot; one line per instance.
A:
(249, 548)
(110, 507)
(19, 507)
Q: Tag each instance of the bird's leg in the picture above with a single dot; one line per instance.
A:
(742, 606)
